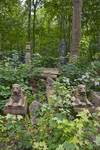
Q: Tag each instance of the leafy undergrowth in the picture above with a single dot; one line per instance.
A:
(57, 128)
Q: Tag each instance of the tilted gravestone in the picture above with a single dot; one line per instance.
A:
(95, 97)
(49, 88)
(17, 103)
(62, 51)
(32, 111)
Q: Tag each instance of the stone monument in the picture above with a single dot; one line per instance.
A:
(62, 51)
(28, 54)
(17, 103)
(81, 99)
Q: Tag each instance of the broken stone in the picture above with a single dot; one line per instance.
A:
(50, 81)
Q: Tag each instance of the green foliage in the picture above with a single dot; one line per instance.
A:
(53, 131)
(59, 129)
(13, 127)
(77, 72)
(13, 72)
(87, 51)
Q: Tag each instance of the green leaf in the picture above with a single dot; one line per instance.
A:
(60, 147)
(19, 117)
(53, 123)
(68, 145)
(97, 141)
(8, 116)
(61, 116)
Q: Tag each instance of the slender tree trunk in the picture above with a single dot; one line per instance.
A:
(29, 18)
(76, 27)
(64, 31)
(2, 47)
(18, 45)
(2, 42)
(10, 47)
(60, 37)
(34, 4)
(49, 32)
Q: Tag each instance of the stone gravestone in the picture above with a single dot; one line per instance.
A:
(17, 103)
(81, 99)
(95, 97)
(32, 108)
(49, 88)
(62, 51)
(28, 54)
(22, 57)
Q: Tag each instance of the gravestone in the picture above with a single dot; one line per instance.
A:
(17, 103)
(28, 54)
(95, 97)
(62, 51)
(49, 88)
(32, 108)
(22, 57)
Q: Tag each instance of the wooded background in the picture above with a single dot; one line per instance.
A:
(47, 23)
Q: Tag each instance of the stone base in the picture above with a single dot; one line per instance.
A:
(15, 109)
(91, 109)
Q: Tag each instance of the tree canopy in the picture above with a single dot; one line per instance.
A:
(52, 25)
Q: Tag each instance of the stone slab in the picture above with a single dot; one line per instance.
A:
(91, 109)
(53, 71)
(49, 72)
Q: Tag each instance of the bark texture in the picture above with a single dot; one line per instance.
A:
(76, 27)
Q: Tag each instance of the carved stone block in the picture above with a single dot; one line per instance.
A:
(81, 99)
(17, 103)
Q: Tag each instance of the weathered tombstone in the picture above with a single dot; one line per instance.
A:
(95, 97)
(17, 103)
(81, 99)
(28, 54)
(49, 88)
(22, 57)
(50, 81)
(1, 57)
(62, 51)
(32, 108)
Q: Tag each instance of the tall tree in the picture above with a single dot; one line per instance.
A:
(76, 27)
(29, 18)
(34, 19)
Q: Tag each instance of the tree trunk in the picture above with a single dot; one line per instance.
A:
(34, 4)
(76, 27)
(64, 31)
(29, 18)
